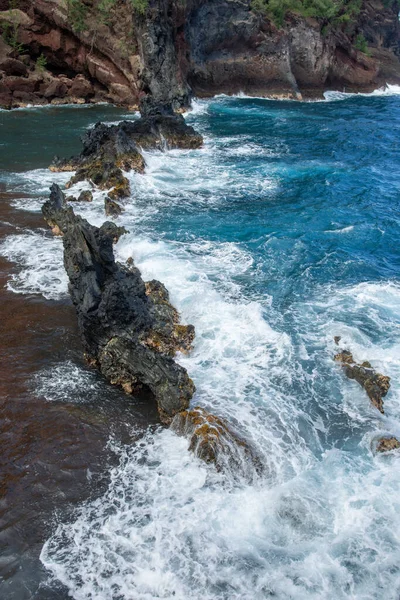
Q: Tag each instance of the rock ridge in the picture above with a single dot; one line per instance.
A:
(129, 330)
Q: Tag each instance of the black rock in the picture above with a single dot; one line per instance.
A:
(124, 331)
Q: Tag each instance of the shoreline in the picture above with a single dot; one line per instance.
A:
(301, 96)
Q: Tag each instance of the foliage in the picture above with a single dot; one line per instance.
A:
(331, 11)
(361, 44)
(41, 63)
(140, 6)
(104, 8)
(77, 12)
(10, 36)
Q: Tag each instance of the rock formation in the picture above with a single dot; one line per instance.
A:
(129, 329)
(375, 384)
(108, 150)
(171, 51)
(214, 442)
(386, 444)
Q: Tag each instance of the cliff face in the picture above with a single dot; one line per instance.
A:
(176, 49)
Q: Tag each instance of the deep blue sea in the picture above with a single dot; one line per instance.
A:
(281, 233)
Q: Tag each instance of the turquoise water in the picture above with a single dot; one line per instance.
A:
(282, 232)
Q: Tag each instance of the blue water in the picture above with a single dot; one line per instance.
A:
(282, 232)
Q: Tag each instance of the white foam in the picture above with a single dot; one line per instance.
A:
(386, 90)
(342, 230)
(66, 382)
(40, 261)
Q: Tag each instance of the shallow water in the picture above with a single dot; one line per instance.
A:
(279, 234)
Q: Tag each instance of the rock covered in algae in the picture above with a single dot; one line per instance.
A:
(386, 444)
(375, 384)
(118, 318)
(211, 440)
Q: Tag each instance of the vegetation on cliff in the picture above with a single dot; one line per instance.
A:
(331, 11)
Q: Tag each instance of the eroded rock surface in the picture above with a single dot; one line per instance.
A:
(375, 384)
(213, 441)
(109, 150)
(120, 321)
(387, 444)
(173, 50)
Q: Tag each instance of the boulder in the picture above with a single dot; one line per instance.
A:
(85, 196)
(56, 89)
(117, 319)
(375, 384)
(214, 442)
(12, 66)
(81, 87)
(387, 444)
(112, 208)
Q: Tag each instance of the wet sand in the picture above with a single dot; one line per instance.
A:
(54, 453)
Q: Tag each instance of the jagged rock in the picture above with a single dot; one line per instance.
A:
(167, 335)
(115, 315)
(110, 150)
(114, 231)
(375, 384)
(71, 199)
(85, 196)
(112, 208)
(214, 442)
(387, 444)
(160, 127)
(174, 50)
(337, 339)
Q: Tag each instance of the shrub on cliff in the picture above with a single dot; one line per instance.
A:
(330, 11)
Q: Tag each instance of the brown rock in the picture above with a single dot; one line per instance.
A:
(214, 442)
(81, 88)
(168, 336)
(20, 84)
(85, 196)
(387, 444)
(12, 66)
(56, 89)
(112, 208)
(375, 384)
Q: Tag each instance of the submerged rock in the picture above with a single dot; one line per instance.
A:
(214, 442)
(85, 196)
(118, 320)
(375, 384)
(112, 208)
(387, 444)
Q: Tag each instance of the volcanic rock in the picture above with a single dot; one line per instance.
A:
(117, 319)
(375, 384)
(112, 208)
(387, 444)
(110, 150)
(211, 440)
(85, 196)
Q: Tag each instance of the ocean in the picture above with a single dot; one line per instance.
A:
(280, 233)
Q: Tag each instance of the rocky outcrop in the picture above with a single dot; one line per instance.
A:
(171, 51)
(211, 440)
(387, 444)
(112, 208)
(129, 329)
(375, 384)
(110, 150)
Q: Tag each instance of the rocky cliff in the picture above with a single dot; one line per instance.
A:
(125, 50)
